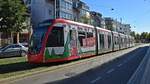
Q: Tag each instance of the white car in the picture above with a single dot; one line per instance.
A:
(13, 50)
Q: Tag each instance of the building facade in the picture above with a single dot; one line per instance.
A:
(100, 21)
(110, 24)
(117, 26)
(75, 10)
(127, 29)
(51, 9)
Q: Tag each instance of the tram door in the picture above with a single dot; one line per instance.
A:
(73, 43)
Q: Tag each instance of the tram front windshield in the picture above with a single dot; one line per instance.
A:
(37, 39)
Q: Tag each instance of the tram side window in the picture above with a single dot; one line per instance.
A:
(116, 40)
(121, 41)
(56, 37)
(89, 34)
(109, 41)
(70, 34)
(125, 40)
(81, 37)
(90, 41)
(101, 37)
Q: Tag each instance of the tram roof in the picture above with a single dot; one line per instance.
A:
(82, 24)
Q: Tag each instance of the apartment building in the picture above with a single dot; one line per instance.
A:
(75, 10)
(110, 24)
(117, 26)
(100, 21)
(50, 9)
(127, 29)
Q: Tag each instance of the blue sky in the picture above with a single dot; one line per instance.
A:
(134, 12)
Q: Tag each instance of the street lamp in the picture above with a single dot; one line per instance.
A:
(112, 9)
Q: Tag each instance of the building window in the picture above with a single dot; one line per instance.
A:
(66, 5)
(50, 12)
(57, 14)
(63, 4)
(57, 4)
(65, 15)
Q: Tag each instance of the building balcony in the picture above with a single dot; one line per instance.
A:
(77, 6)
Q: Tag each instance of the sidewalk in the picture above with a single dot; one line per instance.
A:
(142, 74)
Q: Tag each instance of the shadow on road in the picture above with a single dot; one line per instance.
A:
(22, 66)
(16, 67)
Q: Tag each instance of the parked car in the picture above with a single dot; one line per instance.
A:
(24, 44)
(13, 50)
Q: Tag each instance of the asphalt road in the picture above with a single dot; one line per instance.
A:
(115, 72)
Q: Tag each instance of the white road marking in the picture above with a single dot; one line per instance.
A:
(98, 78)
(120, 65)
(111, 70)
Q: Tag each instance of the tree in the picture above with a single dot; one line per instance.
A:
(110, 27)
(137, 37)
(149, 37)
(133, 34)
(144, 36)
(85, 20)
(12, 16)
